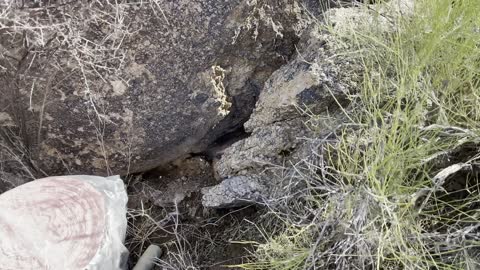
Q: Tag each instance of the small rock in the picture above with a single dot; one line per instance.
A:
(233, 192)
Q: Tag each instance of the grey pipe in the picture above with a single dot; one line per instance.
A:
(147, 261)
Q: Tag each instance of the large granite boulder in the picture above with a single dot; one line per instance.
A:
(115, 88)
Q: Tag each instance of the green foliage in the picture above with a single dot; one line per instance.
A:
(391, 196)
(288, 251)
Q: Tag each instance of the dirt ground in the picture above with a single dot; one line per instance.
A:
(165, 209)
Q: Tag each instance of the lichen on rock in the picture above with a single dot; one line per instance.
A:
(317, 82)
(157, 81)
(233, 192)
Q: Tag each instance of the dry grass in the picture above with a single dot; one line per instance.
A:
(398, 186)
(45, 43)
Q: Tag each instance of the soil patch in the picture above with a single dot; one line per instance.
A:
(165, 209)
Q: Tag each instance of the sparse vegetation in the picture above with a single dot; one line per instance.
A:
(398, 187)
(395, 187)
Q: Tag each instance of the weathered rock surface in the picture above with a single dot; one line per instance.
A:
(301, 100)
(142, 85)
(300, 104)
(233, 192)
(9, 181)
